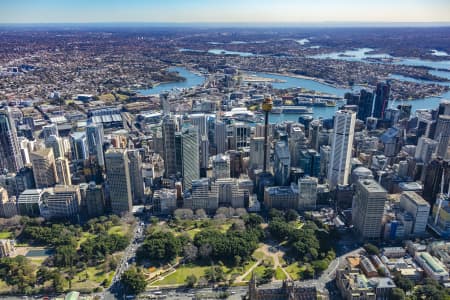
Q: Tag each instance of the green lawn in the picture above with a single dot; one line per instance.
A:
(259, 271)
(84, 237)
(294, 270)
(279, 274)
(90, 278)
(5, 235)
(179, 277)
(4, 287)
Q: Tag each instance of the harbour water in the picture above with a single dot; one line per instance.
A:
(193, 79)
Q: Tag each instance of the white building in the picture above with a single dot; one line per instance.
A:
(307, 193)
(341, 149)
(418, 208)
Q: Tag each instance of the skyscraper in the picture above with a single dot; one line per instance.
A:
(95, 140)
(221, 166)
(56, 143)
(63, 171)
(220, 137)
(136, 180)
(169, 127)
(282, 163)
(368, 208)
(10, 158)
(118, 178)
(44, 168)
(257, 152)
(341, 150)
(425, 149)
(48, 130)
(442, 135)
(307, 193)
(381, 99)
(365, 105)
(79, 147)
(190, 154)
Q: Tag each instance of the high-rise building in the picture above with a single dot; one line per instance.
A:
(341, 150)
(202, 197)
(365, 105)
(63, 201)
(228, 193)
(368, 208)
(199, 121)
(30, 202)
(418, 208)
(56, 143)
(220, 137)
(118, 178)
(433, 178)
(425, 149)
(48, 130)
(204, 154)
(169, 127)
(10, 158)
(221, 166)
(315, 127)
(257, 153)
(241, 135)
(95, 200)
(95, 139)
(44, 168)
(307, 193)
(79, 146)
(381, 99)
(164, 201)
(442, 135)
(282, 163)
(136, 180)
(190, 154)
(63, 171)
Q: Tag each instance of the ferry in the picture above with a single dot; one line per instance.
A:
(316, 102)
(299, 110)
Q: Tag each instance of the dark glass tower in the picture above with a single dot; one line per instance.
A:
(10, 158)
(381, 99)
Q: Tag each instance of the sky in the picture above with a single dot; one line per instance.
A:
(223, 11)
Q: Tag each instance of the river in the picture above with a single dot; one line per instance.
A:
(193, 79)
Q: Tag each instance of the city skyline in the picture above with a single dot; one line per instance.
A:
(242, 12)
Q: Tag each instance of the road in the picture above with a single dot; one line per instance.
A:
(128, 257)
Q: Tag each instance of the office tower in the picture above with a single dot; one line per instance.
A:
(24, 180)
(307, 193)
(433, 178)
(30, 202)
(325, 155)
(199, 121)
(118, 178)
(282, 163)
(48, 130)
(221, 166)
(204, 154)
(79, 146)
(425, 149)
(169, 127)
(95, 139)
(418, 208)
(381, 99)
(280, 197)
(236, 167)
(10, 158)
(202, 197)
(241, 135)
(164, 201)
(136, 180)
(63, 171)
(309, 161)
(95, 200)
(368, 208)
(341, 149)
(257, 152)
(444, 108)
(442, 135)
(220, 137)
(165, 104)
(228, 193)
(405, 111)
(63, 201)
(56, 143)
(315, 127)
(190, 154)
(365, 105)
(8, 207)
(44, 168)
(178, 154)
(24, 151)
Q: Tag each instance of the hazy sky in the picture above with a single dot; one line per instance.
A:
(241, 11)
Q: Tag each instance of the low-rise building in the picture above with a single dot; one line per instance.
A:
(432, 266)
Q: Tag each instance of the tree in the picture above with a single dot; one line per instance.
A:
(397, 294)
(161, 246)
(191, 280)
(291, 215)
(371, 249)
(134, 281)
(17, 272)
(215, 274)
(267, 275)
(253, 220)
(404, 283)
(275, 213)
(190, 252)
